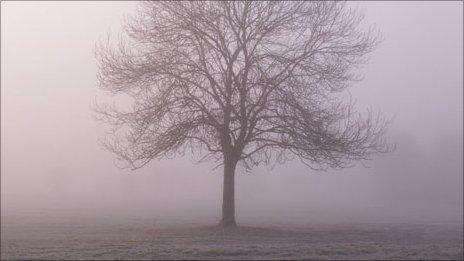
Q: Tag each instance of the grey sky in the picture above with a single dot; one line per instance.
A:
(51, 159)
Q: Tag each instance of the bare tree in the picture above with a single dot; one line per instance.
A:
(239, 82)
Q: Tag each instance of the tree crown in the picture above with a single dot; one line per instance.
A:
(249, 82)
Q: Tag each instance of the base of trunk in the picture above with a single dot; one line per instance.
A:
(227, 223)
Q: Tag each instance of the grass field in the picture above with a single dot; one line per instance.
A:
(91, 238)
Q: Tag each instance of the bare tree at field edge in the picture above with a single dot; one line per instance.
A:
(239, 82)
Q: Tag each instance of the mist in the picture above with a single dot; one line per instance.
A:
(53, 163)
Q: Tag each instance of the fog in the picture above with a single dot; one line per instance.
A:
(51, 159)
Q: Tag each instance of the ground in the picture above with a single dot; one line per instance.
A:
(103, 239)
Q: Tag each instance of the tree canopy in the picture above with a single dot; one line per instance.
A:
(248, 82)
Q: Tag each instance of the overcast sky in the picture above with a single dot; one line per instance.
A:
(49, 142)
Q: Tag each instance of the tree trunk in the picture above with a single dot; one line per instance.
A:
(228, 196)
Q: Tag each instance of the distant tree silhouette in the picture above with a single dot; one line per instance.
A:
(239, 82)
